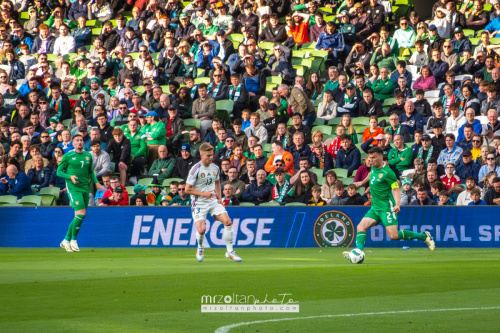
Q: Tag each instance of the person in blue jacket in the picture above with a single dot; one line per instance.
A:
(331, 41)
(17, 182)
(411, 119)
(259, 189)
(467, 167)
(208, 50)
(348, 156)
(16, 67)
(493, 26)
(78, 8)
(471, 120)
(460, 42)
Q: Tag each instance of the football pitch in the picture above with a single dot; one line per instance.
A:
(161, 290)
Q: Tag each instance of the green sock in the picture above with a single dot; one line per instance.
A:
(77, 222)
(70, 230)
(360, 240)
(407, 235)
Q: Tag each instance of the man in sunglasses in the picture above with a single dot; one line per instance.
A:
(130, 71)
(46, 145)
(449, 55)
(86, 103)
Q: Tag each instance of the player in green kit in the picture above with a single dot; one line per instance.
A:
(386, 198)
(76, 167)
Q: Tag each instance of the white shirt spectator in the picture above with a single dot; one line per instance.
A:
(64, 45)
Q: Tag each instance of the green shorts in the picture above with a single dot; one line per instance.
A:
(78, 200)
(387, 218)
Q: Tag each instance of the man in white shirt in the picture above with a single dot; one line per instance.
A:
(65, 43)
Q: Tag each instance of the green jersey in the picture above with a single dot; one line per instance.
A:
(79, 165)
(382, 182)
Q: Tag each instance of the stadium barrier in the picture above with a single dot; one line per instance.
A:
(253, 227)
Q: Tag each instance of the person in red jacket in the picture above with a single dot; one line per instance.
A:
(116, 199)
(450, 179)
(113, 185)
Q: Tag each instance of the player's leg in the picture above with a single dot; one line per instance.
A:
(221, 215)
(390, 221)
(75, 200)
(199, 216)
(371, 219)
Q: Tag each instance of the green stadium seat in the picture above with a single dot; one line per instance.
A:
(167, 182)
(269, 204)
(24, 16)
(267, 147)
(191, 122)
(236, 37)
(225, 105)
(295, 204)
(347, 181)
(335, 121)
(325, 129)
(318, 172)
(319, 121)
(341, 173)
(246, 204)
(145, 181)
(49, 195)
(199, 80)
(7, 199)
(66, 122)
(365, 121)
(266, 45)
(31, 200)
(321, 180)
(274, 79)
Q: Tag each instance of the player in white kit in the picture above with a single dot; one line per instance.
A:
(203, 184)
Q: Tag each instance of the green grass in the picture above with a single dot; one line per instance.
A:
(159, 290)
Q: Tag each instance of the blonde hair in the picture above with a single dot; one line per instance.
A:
(350, 128)
(206, 147)
(318, 132)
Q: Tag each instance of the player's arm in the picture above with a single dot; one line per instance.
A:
(396, 193)
(218, 191)
(62, 168)
(191, 191)
(93, 176)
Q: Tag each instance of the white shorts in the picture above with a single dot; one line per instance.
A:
(200, 211)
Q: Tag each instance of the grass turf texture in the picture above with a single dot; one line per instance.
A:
(159, 290)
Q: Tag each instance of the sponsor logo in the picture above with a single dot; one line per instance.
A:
(333, 229)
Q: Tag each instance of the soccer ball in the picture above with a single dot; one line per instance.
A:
(356, 256)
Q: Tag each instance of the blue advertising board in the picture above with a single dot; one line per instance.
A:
(253, 227)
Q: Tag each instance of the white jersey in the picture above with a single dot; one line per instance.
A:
(203, 179)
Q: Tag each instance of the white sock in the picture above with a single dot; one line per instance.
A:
(228, 237)
(200, 238)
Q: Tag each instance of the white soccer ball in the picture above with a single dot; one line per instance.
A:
(356, 256)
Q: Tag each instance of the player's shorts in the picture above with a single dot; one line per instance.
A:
(387, 218)
(78, 200)
(200, 211)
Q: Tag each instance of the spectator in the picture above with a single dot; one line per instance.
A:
(279, 154)
(185, 162)
(397, 128)
(373, 130)
(408, 194)
(492, 197)
(116, 199)
(316, 199)
(204, 109)
(182, 198)
(100, 159)
(411, 119)
(491, 102)
(163, 166)
(299, 149)
(471, 122)
(39, 175)
(228, 198)
(331, 41)
(259, 189)
(321, 159)
(476, 200)
(467, 168)
(488, 167)
(256, 128)
(18, 184)
(298, 126)
(120, 147)
(349, 156)
(341, 195)
(369, 106)
(328, 187)
(423, 198)
(327, 109)
(400, 157)
(384, 86)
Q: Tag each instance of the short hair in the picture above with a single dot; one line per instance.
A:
(345, 137)
(437, 104)
(376, 150)
(476, 191)
(206, 147)
(317, 188)
(402, 63)
(398, 94)
(339, 185)
(471, 178)
(202, 86)
(438, 185)
(352, 187)
(95, 142)
(278, 143)
(117, 131)
(451, 136)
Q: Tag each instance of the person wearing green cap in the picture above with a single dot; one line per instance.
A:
(185, 29)
(138, 190)
(408, 194)
(86, 103)
(96, 89)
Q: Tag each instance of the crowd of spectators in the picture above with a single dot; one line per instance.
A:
(146, 82)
